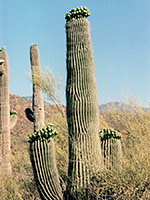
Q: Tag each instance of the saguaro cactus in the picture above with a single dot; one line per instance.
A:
(41, 146)
(38, 105)
(111, 149)
(7, 122)
(82, 102)
(4, 109)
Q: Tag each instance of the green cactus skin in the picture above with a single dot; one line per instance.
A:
(42, 152)
(46, 174)
(5, 110)
(82, 106)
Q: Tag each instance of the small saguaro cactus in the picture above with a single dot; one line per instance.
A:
(82, 102)
(6, 122)
(111, 149)
(42, 149)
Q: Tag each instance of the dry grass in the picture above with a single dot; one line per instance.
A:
(133, 181)
(21, 185)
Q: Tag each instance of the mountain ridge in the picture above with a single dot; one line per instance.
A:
(102, 107)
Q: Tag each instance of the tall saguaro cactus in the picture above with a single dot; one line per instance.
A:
(41, 146)
(82, 102)
(82, 116)
(7, 119)
(5, 109)
(38, 105)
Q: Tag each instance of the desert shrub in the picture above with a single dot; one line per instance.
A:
(17, 186)
(61, 143)
(20, 184)
(133, 181)
(14, 187)
(9, 187)
(102, 123)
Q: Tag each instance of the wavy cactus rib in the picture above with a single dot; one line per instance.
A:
(44, 163)
(82, 106)
(5, 109)
(111, 149)
(42, 149)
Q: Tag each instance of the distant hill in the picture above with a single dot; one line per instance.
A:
(117, 105)
(29, 98)
(23, 128)
(103, 107)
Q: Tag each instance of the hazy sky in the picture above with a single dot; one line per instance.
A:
(120, 31)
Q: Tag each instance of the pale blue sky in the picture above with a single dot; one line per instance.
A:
(120, 31)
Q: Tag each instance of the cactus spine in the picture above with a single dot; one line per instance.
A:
(42, 151)
(5, 110)
(82, 106)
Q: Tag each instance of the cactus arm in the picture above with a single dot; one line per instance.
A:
(1, 61)
(82, 106)
(5, 109)
(42, 149)
(13, 119)
(2, 70)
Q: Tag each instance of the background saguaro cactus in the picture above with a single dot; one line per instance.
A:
(7, 119)
(38, 105)
(82, 102)
(111, 149)
(4, 109)
(42, 150)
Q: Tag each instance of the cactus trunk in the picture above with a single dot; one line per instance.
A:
(38, 105)
(5, 110)
(112, 153)
(42, 152)
(46, 174)
(82, 106)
